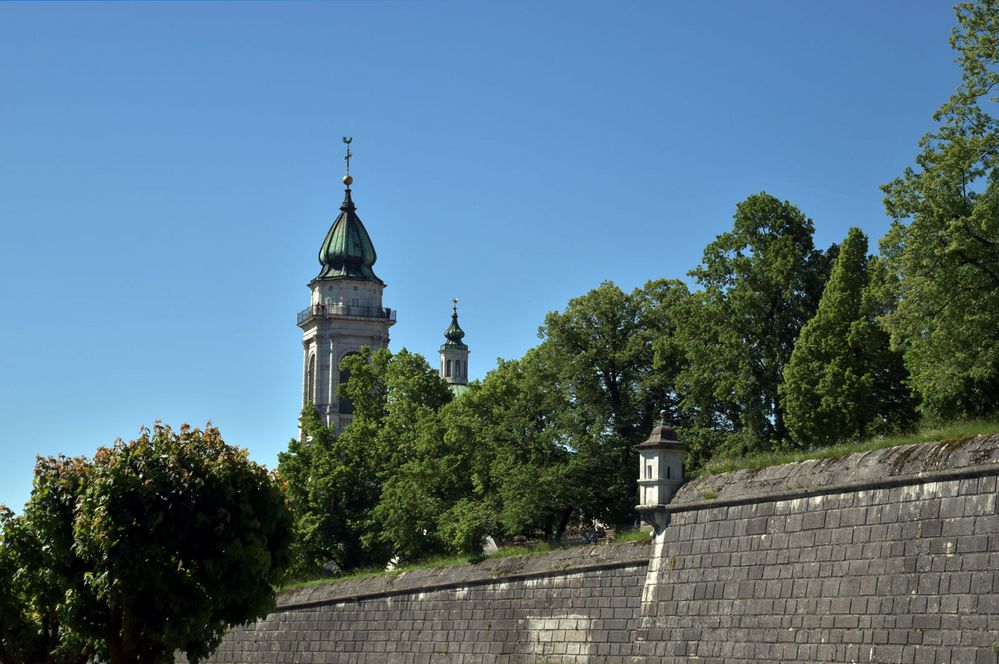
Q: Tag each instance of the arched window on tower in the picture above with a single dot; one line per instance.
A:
(447, 369)
(310, 381)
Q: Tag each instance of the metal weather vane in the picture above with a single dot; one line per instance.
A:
(346, 157)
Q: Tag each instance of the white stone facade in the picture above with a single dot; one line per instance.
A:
(454, 365)
(344, 315)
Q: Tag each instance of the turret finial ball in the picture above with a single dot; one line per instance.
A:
(347, 180)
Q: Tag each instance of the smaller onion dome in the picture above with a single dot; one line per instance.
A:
(454, 334)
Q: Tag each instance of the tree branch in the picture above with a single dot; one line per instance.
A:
(969, 260)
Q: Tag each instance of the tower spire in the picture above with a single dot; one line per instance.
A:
(454, 334)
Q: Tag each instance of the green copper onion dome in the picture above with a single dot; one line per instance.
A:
(454, 334)
(347, 252)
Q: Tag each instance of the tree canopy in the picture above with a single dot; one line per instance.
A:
(178, 517)
(760, 282)
(843, 381)
(944, 242)
(775, 344)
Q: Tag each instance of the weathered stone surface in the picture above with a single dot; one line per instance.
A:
(889, 466)
(885, 556)
(573, 605)
(557, 563)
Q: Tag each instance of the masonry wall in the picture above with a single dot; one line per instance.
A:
(889, 556)
(578, 605)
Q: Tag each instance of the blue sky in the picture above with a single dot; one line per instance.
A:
(168, 172)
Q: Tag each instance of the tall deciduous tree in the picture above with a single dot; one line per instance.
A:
(153, 546)
(944, 242)
(843, 381)
(331, 485)
(362, 496)
(602, 352)
(525, 475)
(187, 519)
(761, 282)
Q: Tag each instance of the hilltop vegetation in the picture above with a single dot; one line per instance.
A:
(780, 348)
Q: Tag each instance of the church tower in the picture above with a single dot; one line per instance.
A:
(454, 354)
(345, 312)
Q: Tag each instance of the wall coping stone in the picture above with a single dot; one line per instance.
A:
(922, 463)
(560, 562)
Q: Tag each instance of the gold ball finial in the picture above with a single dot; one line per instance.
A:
(347, 180)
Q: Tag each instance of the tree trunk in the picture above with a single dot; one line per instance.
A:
(116, 651)
(563, 524)
(780, 429)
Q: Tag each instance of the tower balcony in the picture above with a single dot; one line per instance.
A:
(345, 310)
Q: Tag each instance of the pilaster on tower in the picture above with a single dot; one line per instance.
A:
(345, 311)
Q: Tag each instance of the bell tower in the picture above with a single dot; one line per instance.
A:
(454, 354)
(345, 310)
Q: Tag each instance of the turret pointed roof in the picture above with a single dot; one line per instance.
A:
(347, 251)
(454, 334)
(662, 437)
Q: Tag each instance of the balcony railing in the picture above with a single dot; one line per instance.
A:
(324, 310)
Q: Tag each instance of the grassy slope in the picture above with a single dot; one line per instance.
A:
(948, 432)
(452, 561)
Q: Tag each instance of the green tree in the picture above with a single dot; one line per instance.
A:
(417, 491)
(331, 486)
(187, 519)
(843, 381)
(761, 282)
(156, 545)
(525, 470)
(358, 498)
(600, 353)
(45, 602)
(362, 496)
(944, 241)
(412, 393)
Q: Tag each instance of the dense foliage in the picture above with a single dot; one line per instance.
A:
(780, 346)
(944, 244)
(843, 381)
(760, 282)
(153, 546)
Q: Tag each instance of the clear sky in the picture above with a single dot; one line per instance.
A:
(168, 172)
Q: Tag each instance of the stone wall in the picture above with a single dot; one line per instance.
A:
(574, 605)
(885, 556)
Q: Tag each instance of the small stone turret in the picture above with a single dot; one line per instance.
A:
(661, 472)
